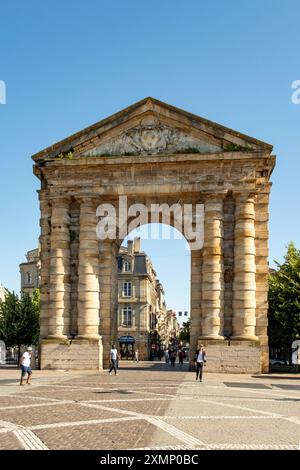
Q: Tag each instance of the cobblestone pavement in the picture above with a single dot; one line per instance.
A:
(149, 406)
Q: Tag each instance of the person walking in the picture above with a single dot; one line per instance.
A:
(180, 357)
(200, 360)
(173, 357)
(113, 359)
(25, 366)
(136, 355)
(295, 353)
(167, 356)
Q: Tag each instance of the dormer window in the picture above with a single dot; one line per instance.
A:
(127, 265)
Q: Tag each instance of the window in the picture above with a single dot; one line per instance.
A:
(127, 314)
(28, 278)
(127, 289)
(127, 265)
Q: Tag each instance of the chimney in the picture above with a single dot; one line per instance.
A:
(137, 244)
(130, 247)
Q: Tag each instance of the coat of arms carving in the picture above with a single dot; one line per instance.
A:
(151, 137)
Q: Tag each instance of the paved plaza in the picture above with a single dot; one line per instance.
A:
(149, 406)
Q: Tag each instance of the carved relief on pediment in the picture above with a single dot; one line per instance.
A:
(151, 137)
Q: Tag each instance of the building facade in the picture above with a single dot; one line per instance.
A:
(2, 293)
(30, 272)
(141, 308)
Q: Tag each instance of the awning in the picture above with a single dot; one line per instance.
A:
(126, 339)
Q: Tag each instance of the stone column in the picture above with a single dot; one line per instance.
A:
(196, 277)
(109, 296)
(45, 247)
(212, 269)
(244, 287)
(59, 296)
(228, 251)
(262, 272)
(88, 273)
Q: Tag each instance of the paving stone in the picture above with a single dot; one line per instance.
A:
(129, 434)
(151, 409)
(8, 441)
(55, 414)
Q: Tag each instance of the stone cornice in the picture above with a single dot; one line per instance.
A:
(259, 157)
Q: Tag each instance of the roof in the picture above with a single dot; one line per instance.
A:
(209, 129)
(140, 264)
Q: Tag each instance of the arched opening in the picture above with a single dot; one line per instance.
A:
(154, 286)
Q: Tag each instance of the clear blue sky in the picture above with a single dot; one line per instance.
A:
(69, 64)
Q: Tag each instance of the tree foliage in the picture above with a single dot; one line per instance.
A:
(19, 319)
(284, 300)
(184, 334)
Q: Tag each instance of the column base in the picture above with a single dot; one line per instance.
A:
(92, 337)
(76, 354)
(244, 338)
(212, 337)
(58, 337)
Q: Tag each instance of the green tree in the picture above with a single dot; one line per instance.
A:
(284, 300)
(184, 334)
(19, 319)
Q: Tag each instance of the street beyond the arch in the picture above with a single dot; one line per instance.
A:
(149, 405)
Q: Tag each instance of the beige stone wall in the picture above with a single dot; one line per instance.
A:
(232, 357)
(78, 354)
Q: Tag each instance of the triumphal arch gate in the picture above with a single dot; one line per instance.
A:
(154, 154)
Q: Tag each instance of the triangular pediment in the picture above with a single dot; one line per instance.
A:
(151, 127)
(152, 137)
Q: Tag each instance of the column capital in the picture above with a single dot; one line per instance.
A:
(90, 199)
(219, 196)
(244, 196)
(62, 200)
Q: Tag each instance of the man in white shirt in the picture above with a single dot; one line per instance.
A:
(25, 366)
(113, 359)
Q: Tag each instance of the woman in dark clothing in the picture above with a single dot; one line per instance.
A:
(200, 359)
(180, 357)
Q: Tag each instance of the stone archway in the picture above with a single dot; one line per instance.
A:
(152, 152)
